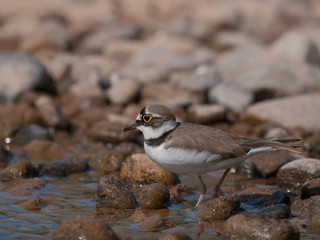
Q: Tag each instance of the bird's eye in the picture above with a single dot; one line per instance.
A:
(146, 118)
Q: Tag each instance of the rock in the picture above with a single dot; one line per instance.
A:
(205, 114)
(118, 94)
(107, 161)
(107, 132)
(129, 148)
(156, 222)
(112, 215)
(114, 192)
(152, 196)
(310, 188)
(44, 151)
(178, 192)
(201, 79)
(21, 169)
(175, 236)
(82, 227)
(247, 169)
(13, 117)
(139, 168)
(31, 75)
(314, 220)
(279, 211)
(219, 209)
(5, 157)
(297, 111)
(231, 39)
(169, 95)
(121, 50)
(276, 133)
(159, 58)
(63, 167)
(27, 187)
(270, 80)
(305, 207)
(231, 95)
(239, 60)
(268, 164)
(293, 175)
(34, 204)
(305, 49)
(50, 113)
(30, 133)
(278, 197)
(240, 227)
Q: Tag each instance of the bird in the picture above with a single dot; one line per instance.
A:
(190, 148)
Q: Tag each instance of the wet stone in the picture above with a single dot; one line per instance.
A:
(277, 197)
(139, 168)
(114, 192)
(31, 74)
(293, 175)
(21, 169)
(310, 188)
(34, 204)
(219, 209)
(240, 227)
(314, 220)
(31, 132)
(83, 228)
(178, 192)
(111, 215)
(248, 170)
(305, 206)
(278, 211)
(107, 161)
(152, 196)
(175, 236)
(26, 187)
(155, 222)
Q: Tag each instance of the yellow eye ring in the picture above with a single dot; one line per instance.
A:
(146, 118)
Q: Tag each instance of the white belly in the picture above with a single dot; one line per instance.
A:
(182, 161)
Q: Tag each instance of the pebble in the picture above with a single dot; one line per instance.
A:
(231, 95)
(34, 204)
(293, 175)
(305, 49)
(152, 196)
(27, 187)
(278, 211)
(107, 161)
(114, 192)
(240, 227)
(205, 114)
(219, 209)
(83, 228)
(31, 75)
(139, 168)
(310, 188)
(118, 94)
(31, 132)
(305, 207)
(50, 113)
(270, 80)
(21, 169)
(297, 111)
(5, 156)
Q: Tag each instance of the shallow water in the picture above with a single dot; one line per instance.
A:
(72, 196)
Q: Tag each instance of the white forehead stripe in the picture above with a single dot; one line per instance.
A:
(138, 117)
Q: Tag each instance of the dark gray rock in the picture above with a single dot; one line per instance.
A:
(278, 211)
(310, 188)
(22, 169)
(31, 132)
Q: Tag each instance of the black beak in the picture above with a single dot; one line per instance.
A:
(132, 126)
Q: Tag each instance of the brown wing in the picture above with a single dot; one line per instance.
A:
(205, 138)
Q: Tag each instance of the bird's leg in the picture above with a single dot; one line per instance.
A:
(204, 191)
(217, 191)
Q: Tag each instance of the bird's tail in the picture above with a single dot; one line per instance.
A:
(273, 144)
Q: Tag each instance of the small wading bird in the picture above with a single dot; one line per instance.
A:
(186, 148)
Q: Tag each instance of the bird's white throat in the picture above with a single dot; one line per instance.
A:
(153, 133)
